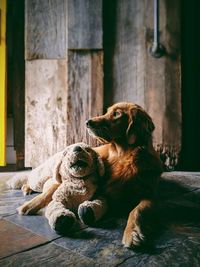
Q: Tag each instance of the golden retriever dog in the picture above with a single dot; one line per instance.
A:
(132, 168)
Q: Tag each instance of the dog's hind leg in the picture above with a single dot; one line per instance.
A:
(38, 202)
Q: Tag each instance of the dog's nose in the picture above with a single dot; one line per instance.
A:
(77, 149)
(89, 123)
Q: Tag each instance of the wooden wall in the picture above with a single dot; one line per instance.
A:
(68, 47)
(132, 74)
(64, 74)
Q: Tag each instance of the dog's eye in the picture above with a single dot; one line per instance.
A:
(116, 114)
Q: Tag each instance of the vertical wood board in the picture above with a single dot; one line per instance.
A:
(85, 93)
(163, 82)
(46, 109)
(85, 24)
(45, 29)
(129, 55)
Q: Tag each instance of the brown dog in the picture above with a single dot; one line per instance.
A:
(132, 166)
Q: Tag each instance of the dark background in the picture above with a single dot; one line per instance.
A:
(190, 23)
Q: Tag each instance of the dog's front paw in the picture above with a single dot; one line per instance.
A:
(86, 215)
(133, 238)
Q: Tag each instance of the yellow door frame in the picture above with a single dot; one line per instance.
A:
(2, 82)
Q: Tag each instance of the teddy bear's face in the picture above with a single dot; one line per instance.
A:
(79, 160)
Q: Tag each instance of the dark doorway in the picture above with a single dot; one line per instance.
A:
(15, 84)
(190, 155)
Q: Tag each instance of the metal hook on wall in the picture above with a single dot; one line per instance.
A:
(157, 50)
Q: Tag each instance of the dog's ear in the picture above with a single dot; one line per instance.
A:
(140, 127)
(148, 125)
(130, 132)
(100, 166)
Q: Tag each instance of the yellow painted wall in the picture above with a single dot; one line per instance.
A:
(3, 83)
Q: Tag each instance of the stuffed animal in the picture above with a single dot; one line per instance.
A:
(78, 169)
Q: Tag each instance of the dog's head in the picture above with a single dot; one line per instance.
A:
(80, 160)
(123, 123)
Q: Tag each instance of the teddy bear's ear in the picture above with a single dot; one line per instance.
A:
(56, 168)
(100, 166)
(56, 174)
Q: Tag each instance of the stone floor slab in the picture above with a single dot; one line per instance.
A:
(35, 223)
(15, 239)
(102, 245)
(48, 255)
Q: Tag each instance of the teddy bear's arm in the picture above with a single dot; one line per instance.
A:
(72, 194)
(92, 211)
(60, 219)
(64, 195)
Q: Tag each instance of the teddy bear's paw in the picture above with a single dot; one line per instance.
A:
(86, 215)
(64, 223)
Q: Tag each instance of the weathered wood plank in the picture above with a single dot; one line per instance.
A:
(85, 92)
(126, 51)
(45, 29)
(163, 82)
(85, 24)
(46, 109)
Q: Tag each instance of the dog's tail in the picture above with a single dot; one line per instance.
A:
(17, 181)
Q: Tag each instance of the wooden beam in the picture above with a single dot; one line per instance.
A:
(3, 83)
(18, 79)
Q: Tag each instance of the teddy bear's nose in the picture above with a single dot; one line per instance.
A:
(77, 149)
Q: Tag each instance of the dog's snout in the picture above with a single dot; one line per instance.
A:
(89, 123)
(77, 149)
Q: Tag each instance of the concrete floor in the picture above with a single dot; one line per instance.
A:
(29, 241)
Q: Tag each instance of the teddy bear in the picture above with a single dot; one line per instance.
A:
(79, 171)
